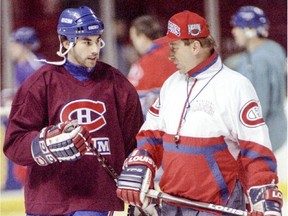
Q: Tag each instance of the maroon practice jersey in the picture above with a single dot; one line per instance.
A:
(106, 104)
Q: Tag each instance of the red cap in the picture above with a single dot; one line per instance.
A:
(185, 25)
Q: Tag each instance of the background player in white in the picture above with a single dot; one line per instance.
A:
(206, 130)
(62, 112)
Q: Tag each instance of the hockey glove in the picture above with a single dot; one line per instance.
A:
(66, 141)
(136, 178)
(265, 200)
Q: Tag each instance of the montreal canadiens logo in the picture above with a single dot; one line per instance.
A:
(250, 115)
(88, 113)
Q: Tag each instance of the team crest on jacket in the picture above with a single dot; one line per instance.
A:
(89, 113)
(250, 114)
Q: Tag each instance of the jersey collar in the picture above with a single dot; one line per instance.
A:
(204, 65)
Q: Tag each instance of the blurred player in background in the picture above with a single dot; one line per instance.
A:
(153, 67)
(62, 113)
(24, 44)
(264, 64)
(207, 131)
(127, 54)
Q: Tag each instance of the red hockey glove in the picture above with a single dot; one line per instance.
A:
(136, 178)
(66, 141)
(265, 200)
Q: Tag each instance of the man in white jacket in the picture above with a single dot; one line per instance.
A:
(206, 130)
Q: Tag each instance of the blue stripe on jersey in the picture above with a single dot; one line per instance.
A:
(152, 141)
(208, 152)
(193, 149)
(254, 155)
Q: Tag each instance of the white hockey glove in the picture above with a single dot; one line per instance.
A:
(136, 178)
(265, 200)
(66, 141)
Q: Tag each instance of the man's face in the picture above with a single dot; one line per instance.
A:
(86, 51)
(137, 40)
(239, 36)
(181, 56)
(17, 51)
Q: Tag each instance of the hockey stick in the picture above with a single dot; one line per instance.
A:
(105, 164)
(160, 195)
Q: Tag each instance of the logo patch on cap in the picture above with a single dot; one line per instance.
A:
(174, 29)
(194, 29)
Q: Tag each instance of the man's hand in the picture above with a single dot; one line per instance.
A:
(136, 178)
(66, 141)
(265, 200)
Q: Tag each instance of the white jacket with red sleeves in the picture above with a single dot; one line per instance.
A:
(206, 130)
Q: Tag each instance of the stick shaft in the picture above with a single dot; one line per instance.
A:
(105, 164)
(159, 195)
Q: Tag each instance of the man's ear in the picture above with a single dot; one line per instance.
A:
(196, 45)
(65, 44)
(250, 32)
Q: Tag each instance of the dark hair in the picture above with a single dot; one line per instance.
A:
(207, 42)
(62, 39)
(148, 25)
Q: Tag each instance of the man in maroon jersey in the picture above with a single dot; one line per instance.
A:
(65, 111)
